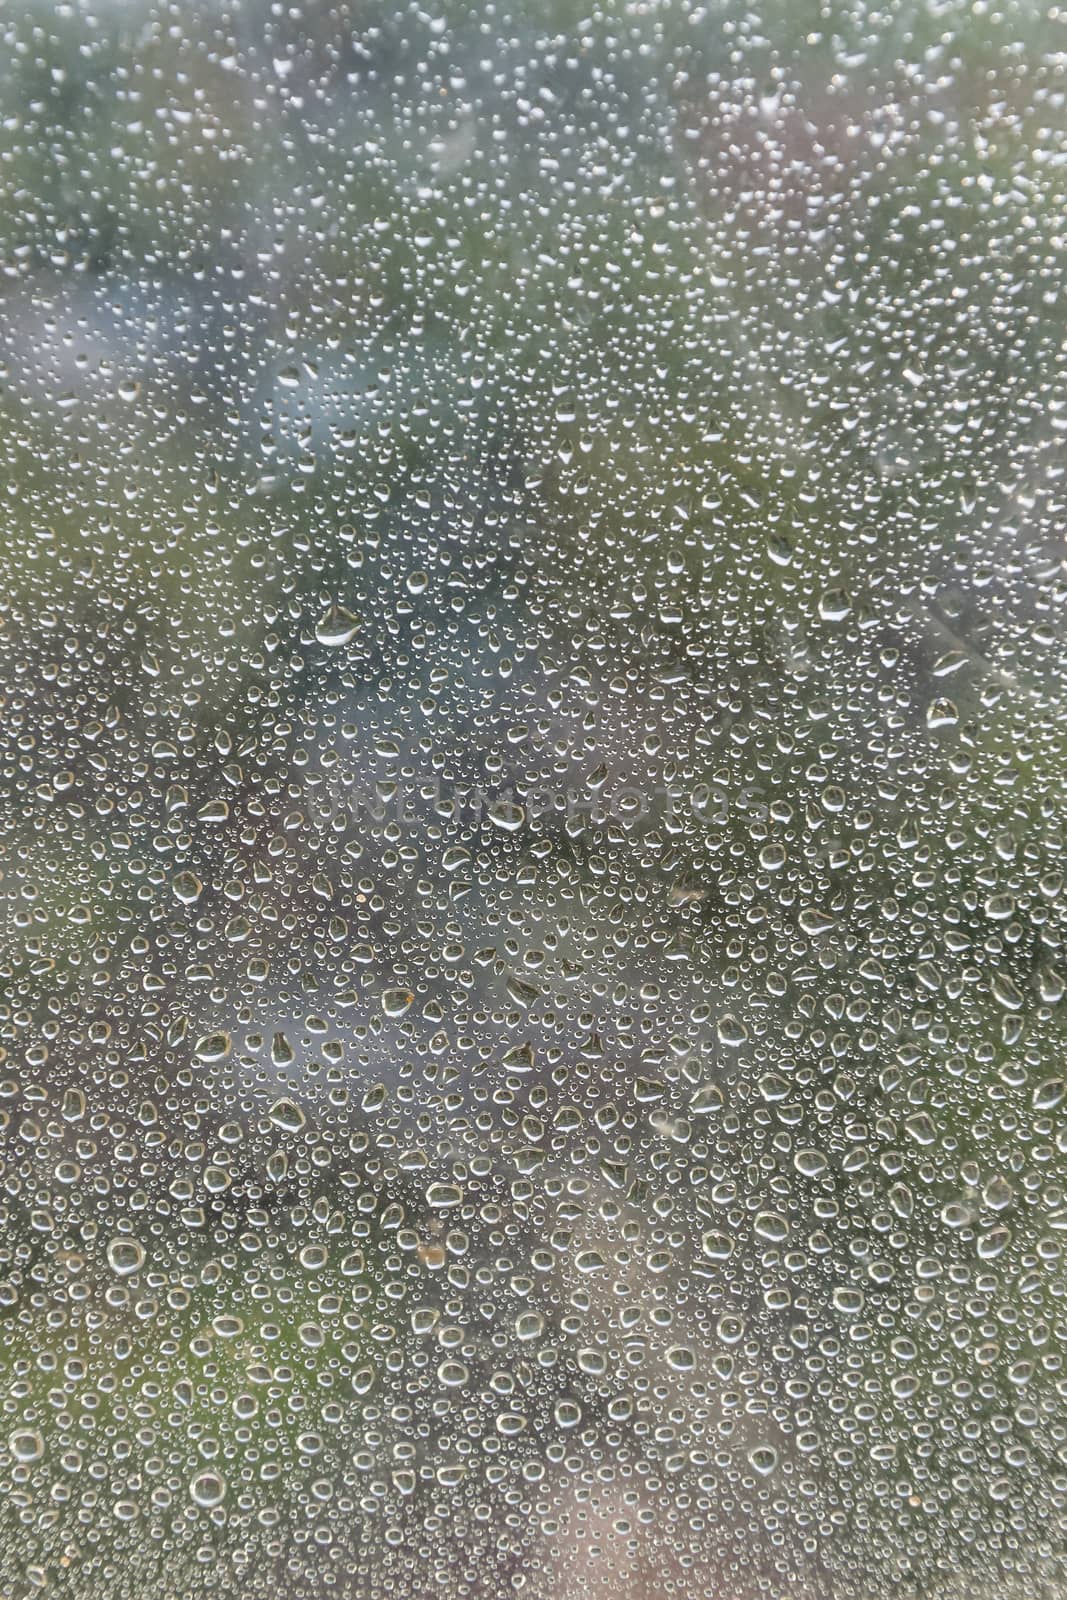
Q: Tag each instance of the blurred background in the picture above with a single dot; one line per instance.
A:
(532, 688)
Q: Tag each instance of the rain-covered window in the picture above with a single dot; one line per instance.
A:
(533, 727)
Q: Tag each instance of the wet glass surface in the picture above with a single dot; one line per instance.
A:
(533, 701)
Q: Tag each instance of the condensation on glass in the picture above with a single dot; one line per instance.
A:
(533, 701)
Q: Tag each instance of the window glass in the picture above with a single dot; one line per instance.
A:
(533, 721)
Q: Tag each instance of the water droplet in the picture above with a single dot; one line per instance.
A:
(125, 1256)
(395, 1002)
(731, 1031)
(208, 1489)
(337, 626)
(507, 815)
(287, 1115)
(26, 1444)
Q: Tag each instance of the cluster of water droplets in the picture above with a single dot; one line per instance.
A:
(533, 727)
